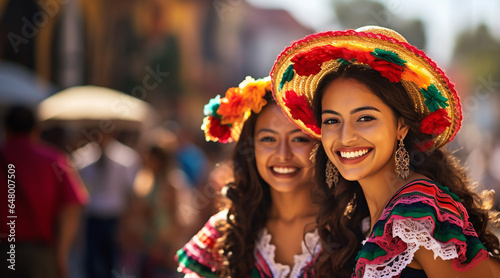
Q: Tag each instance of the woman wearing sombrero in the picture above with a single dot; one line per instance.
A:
(383, 111)
(267, 226)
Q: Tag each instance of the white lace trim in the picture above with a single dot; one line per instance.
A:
(415, 233)
(310, 248)
(267, 250)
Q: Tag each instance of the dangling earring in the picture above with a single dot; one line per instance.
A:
(402, 161)
(332, 174)
(314, 151)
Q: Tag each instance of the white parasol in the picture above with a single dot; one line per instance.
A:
(85, 104)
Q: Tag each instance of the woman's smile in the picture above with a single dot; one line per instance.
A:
(353, 156)
(284, 170)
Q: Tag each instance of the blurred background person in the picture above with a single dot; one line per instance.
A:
(48, 200)
(108, 169)
(152, 230)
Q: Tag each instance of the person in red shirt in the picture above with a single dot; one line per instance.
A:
(40, 201)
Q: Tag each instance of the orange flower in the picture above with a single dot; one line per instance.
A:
(232, 107)
(421, 80)
(253, 94)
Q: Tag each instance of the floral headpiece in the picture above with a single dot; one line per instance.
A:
(224, 117)
(301, 66)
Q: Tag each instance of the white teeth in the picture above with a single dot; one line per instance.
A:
(284, 170)
(353, 154)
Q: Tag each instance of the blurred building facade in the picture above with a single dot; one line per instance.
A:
(174, 54)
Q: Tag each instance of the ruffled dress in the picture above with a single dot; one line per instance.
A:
(196, 258)
(421, 214)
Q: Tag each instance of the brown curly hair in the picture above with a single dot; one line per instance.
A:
(340, 228)
(248, 203)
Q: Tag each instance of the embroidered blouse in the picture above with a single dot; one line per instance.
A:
(421, 214)
(196, 259)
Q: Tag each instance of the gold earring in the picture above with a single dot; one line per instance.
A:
(312, 156)
(402, 161)
(332, 174)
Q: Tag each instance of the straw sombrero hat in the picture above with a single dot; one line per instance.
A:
(301, 66)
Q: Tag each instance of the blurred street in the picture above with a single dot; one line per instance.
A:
(119, 87)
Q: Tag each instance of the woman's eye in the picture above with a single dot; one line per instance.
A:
(267, 139)
(366, 119)
(301, 139)
(330, 121)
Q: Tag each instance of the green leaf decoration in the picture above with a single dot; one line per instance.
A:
(287, 76)
(210, 109)
(344, 61)
(388, 56)
(433, 98)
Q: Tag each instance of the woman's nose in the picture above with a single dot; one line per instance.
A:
(284, 150)
(347, 134)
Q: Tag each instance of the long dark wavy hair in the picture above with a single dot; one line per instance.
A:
(248, 203)
(343, 207)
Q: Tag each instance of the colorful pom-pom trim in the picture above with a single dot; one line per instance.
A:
(224, 117)
(390, 66)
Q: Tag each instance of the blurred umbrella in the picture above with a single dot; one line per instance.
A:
(91, 104)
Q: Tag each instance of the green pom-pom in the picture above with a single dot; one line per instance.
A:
(287, 76)
(210, 109)
(388, 56)
(343, 61)
(433, 98)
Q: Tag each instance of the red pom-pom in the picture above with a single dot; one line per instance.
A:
(387, 69)
(309, 62)
(218, 130)
(300, 110)
(436, 122)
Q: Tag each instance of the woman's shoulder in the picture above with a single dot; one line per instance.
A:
(198, 256)
(428, 192)
(425, 214)
(431, 207)
(425, 185)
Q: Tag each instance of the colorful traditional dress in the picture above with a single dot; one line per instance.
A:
(197, 260)
(421, 214)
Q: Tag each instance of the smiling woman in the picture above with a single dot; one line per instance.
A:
(265, 228)
(282, 152)
(384, 111)
(355, 127)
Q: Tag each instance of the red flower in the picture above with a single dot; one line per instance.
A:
(218, 130)
(300, 110)
(365, 58)
(387, 69)
(436, 122)
(340, 52)
(309, 62)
